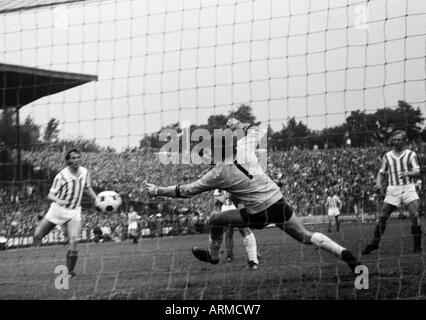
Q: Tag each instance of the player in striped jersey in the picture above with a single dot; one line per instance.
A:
(133, 225)
(262, 199)
(401, 166)
(334, 205)
(66, 194)
(223, 203)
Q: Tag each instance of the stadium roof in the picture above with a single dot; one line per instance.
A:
(21, 85)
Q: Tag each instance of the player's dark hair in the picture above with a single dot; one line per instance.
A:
(68, 154)
(399, 131)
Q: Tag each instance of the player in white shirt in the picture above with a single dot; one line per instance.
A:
(333, 209)
(262, 199)
(66, 194)
(223, 201)
(402, 168)
(133, 224)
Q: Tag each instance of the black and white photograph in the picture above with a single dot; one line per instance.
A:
(213, 156)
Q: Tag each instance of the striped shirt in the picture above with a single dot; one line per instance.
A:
(69, 188)
(333, 202)
(246, 182)
(395, 165)
(133, 217)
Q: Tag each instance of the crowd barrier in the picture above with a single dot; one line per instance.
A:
(57, 236)
(26, 240)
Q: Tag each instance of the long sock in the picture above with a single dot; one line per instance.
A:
(229, 243)
(416, 231)
(251, 247)
(214, 247)
(72, 256)
(324, 242)
(379, 230)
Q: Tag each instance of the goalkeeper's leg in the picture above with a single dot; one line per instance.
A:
(295, 229)
(217, 223)
(229, 243)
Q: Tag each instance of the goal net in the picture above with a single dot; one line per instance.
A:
(329, 81)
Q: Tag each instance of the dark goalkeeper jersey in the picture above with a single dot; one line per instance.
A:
(246, 181)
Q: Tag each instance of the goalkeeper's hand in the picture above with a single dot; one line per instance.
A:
(234, 124)
(152, 189)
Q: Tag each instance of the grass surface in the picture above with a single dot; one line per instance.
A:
(164, 268)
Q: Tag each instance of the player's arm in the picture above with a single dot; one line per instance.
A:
(58, 182)
(339, 203)
(416, 168)
(89, 189)
(210, 181)
(380, 174)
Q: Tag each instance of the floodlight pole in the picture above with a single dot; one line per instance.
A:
(18, 144)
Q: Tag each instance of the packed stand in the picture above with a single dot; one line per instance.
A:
(304, 176)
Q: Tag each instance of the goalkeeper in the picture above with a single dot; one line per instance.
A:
(250, 185)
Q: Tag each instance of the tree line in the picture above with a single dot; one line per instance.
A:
(31, 136)
(362, 129)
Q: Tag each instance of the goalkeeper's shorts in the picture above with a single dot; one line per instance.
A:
(277, 213)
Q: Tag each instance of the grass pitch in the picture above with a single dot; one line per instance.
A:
(164, 268)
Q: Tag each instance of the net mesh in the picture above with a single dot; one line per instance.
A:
(330, 78)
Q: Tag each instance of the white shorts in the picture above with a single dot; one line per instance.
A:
(333, 212)
(133, 226)
(397, 195)
(60, 215)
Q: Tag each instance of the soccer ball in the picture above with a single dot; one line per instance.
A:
(109, 201)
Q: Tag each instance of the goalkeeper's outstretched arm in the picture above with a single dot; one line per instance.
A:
(210, 181)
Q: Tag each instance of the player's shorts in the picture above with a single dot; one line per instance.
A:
(401, 195)
(333, 212)
(59, 215)
(277, 213)
(133, 226)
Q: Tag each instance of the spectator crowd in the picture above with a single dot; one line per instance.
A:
(304, 176)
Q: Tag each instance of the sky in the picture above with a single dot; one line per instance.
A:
(163, 61)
